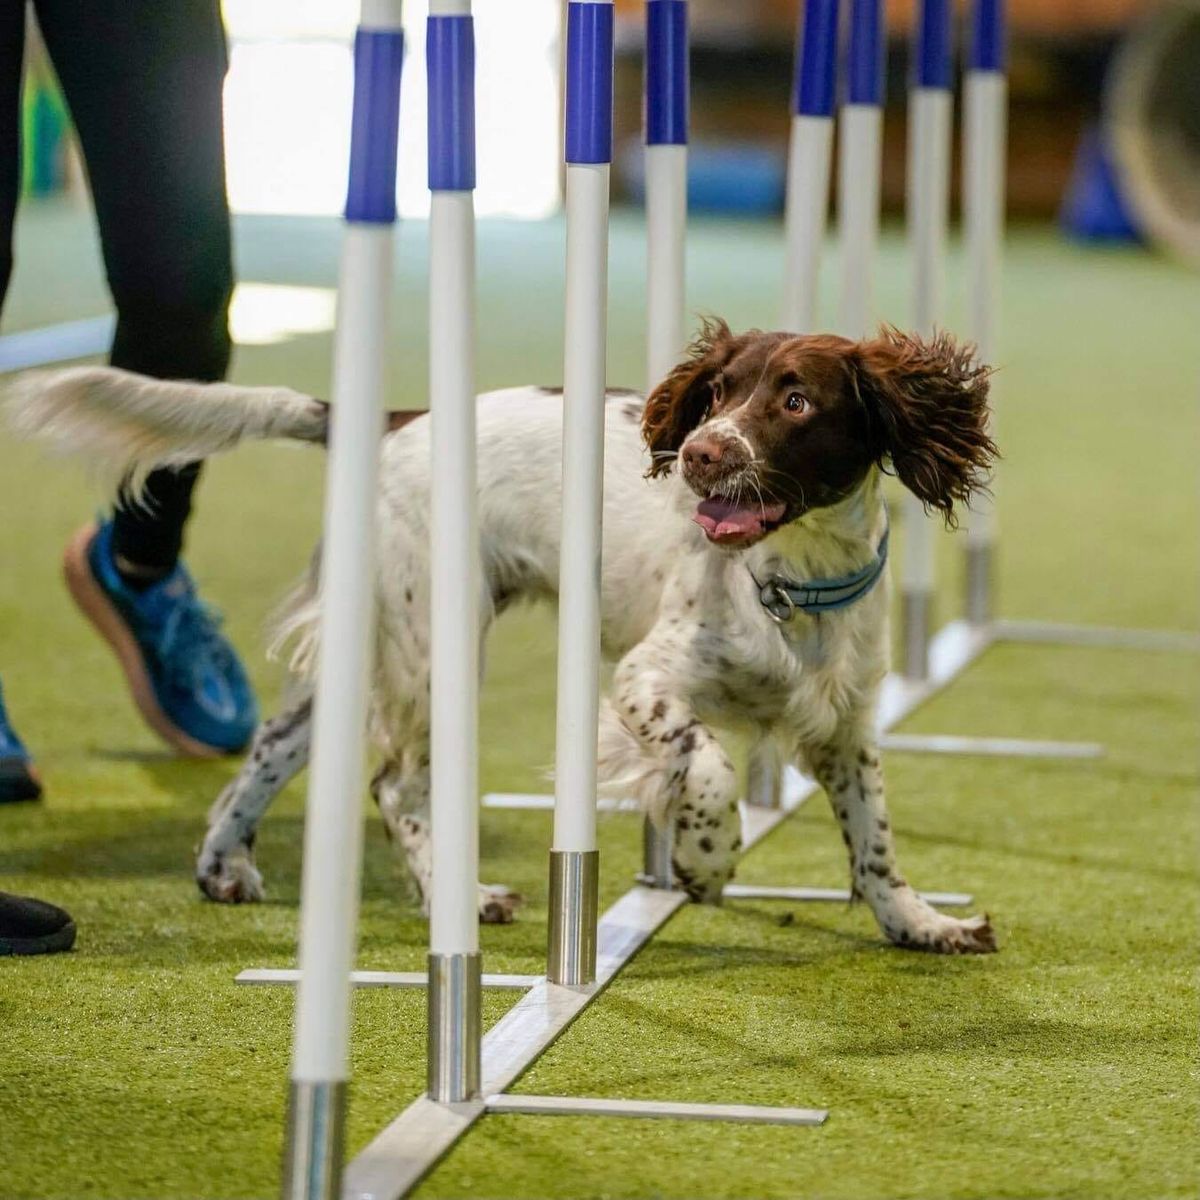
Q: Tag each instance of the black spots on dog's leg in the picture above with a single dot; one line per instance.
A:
(883, 824)
(659, 710)
(706, 844)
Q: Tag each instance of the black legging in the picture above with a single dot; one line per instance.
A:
(143, 81)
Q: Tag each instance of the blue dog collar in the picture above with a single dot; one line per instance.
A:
(782, 597)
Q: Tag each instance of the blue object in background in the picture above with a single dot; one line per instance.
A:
(732, 179)
(1093, 208)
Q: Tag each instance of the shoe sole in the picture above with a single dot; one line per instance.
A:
(92, 601)
(20, 784)
(49, 943)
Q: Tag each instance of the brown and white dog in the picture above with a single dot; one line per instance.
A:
(759, 457)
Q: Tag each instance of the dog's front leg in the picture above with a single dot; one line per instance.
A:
(680, 771)
(849, 770)
(225, 869)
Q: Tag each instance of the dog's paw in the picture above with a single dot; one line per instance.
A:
(230, 878)
(497, 905)
(948, 935)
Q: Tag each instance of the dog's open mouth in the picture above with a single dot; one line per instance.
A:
(738, 522)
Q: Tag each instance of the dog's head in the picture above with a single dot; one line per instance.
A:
(768, 426)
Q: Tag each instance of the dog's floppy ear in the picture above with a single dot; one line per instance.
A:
(927, 404)
(679, 403)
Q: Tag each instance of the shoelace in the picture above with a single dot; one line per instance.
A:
(10, 745)
(188, 643)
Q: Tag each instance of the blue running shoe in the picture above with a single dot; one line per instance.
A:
(186, 679)
(18, 779)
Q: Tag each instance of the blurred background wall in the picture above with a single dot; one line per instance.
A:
(1103, 173)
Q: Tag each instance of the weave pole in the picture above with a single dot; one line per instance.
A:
(804, 221)
(454, 962)
(860, 143)
(930, 113)
(809, 151)
(666, 132)
(574, 859)
(985, 104)
(333, 827)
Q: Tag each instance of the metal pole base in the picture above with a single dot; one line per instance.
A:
(764, 776)
(916, 612)
(574, 912)
(979, 583)
(656, 857)
(312, 1148)
(455, 1027)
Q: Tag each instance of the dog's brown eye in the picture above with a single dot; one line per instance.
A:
(797, 402)
(717, 391)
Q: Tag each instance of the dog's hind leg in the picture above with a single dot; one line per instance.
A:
(401, 790)
(225, 869)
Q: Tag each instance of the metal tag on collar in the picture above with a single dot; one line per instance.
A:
(773, 595)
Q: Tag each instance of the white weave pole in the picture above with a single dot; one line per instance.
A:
(985, 105)
(454, 964)
(929, 122)
(574, 859)
(666, 132)
(333, 822)
(666, 135)
(804, 222)
(860, 143)
(809, 149)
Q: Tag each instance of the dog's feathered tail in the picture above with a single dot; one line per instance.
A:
(126, 425)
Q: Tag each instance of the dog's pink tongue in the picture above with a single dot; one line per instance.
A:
(721, 518)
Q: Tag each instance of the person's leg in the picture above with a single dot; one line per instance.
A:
(12, 57)
(18, 780)
(143, 80)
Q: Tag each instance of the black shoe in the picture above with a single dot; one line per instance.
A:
(33, 926)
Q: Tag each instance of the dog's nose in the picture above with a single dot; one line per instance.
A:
(700, 454)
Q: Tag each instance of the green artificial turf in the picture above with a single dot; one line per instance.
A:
(1063, 1066)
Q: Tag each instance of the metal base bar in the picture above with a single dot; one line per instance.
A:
(751, 891)
(668, 1110)
(574, 903)
(273, 976)
(407, 1149)
(312, 1148)
(1043, 633)
(545, 802)
(991, 747)
(455, 1015)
